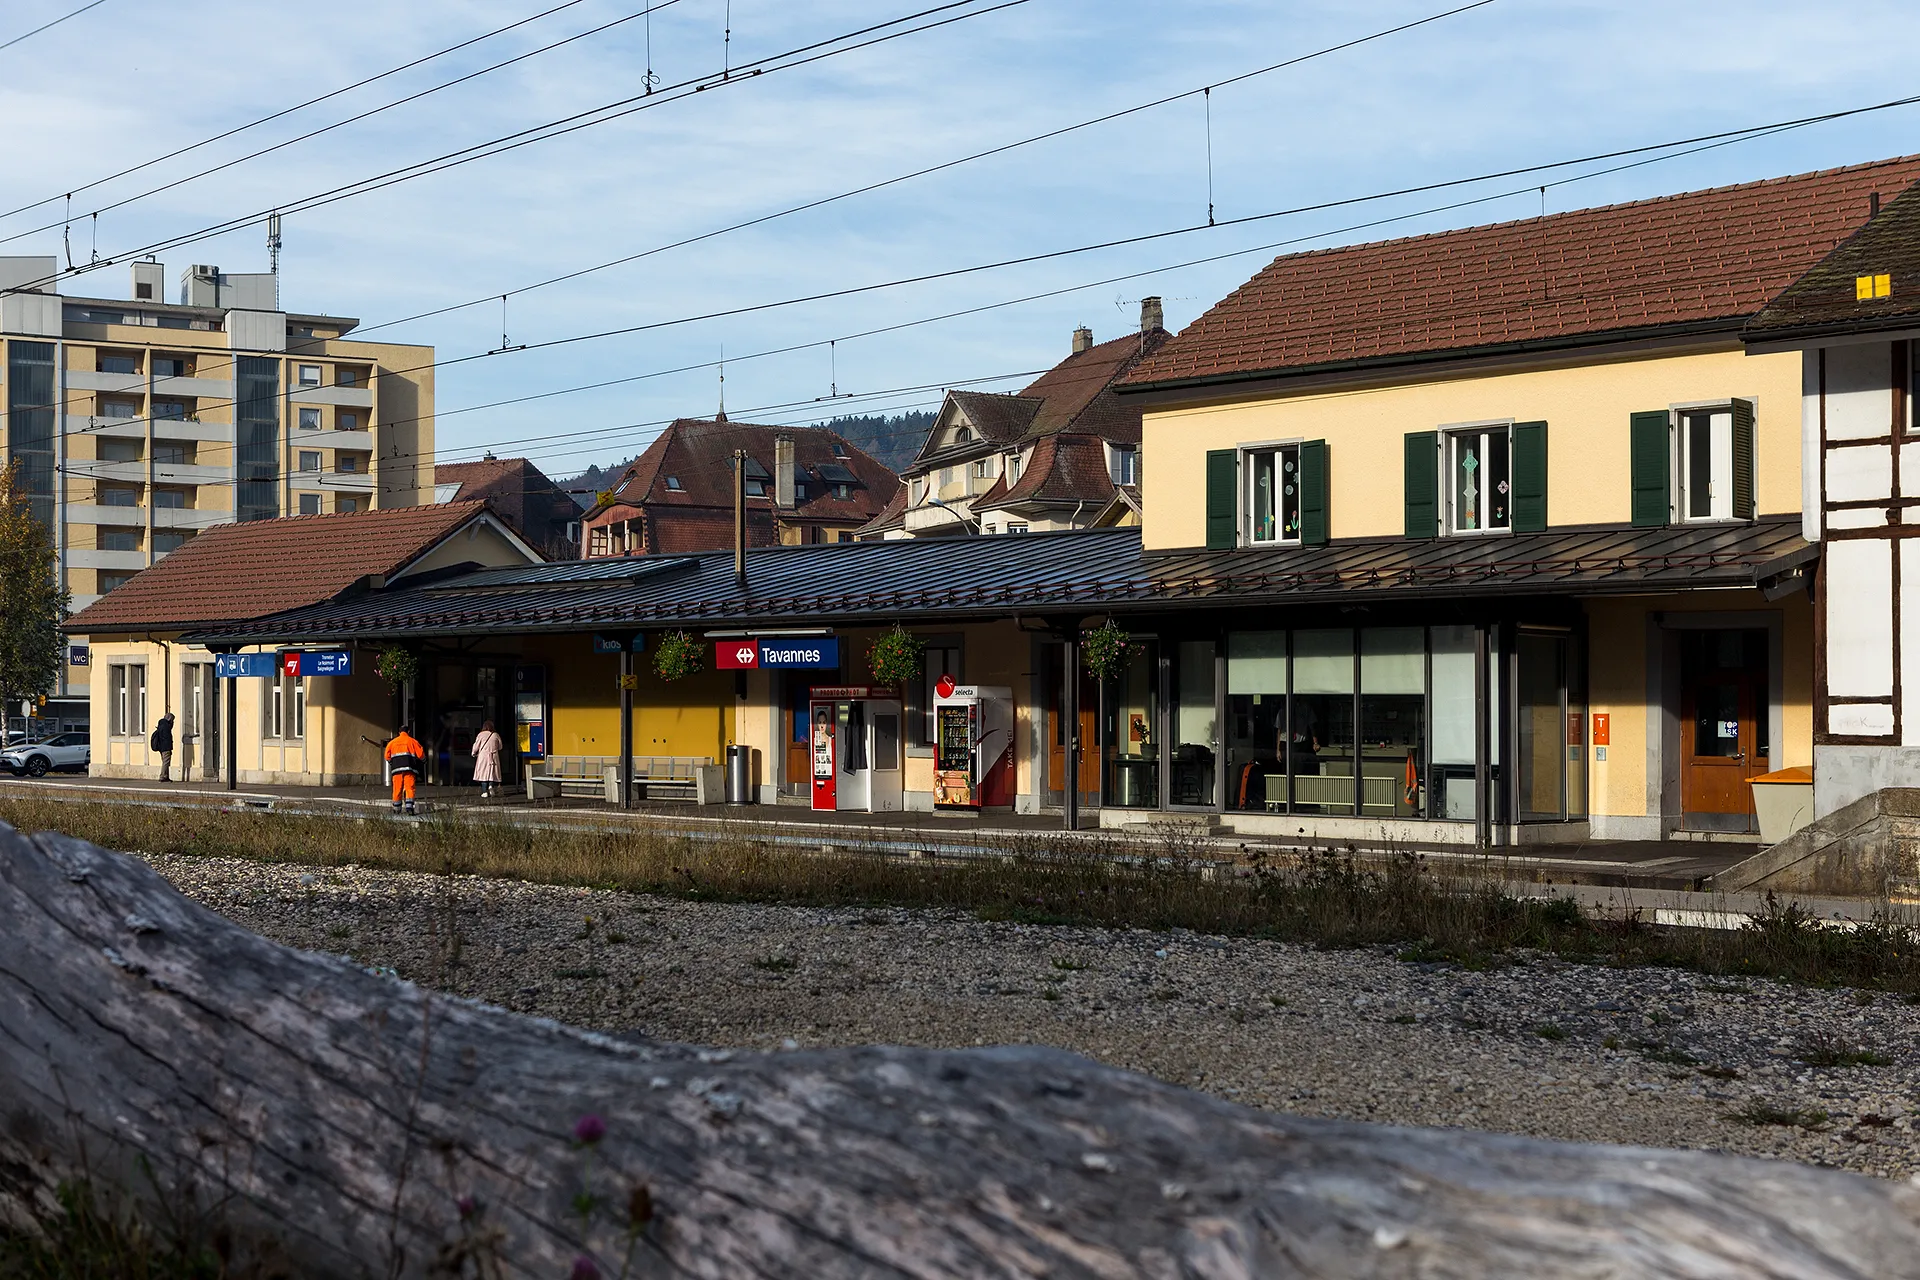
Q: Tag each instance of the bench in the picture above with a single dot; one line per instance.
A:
(695, 778)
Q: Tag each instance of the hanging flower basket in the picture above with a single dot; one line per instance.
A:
(396, 665)
(894, 658)
(679, 655)
(1103, 650)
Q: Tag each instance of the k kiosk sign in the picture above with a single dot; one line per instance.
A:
(807, 653)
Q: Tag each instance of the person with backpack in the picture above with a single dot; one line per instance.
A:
(405, 756)
(162, 744)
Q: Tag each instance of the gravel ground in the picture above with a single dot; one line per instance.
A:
(1653, 1056)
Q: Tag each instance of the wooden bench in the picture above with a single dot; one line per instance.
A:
(695, 778)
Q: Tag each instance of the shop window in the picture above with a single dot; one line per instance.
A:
(1129, 732)
(126, 699)
(1256, 771)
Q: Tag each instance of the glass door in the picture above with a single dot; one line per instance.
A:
(1130, 740)
(1195, 724)
(1550, 731)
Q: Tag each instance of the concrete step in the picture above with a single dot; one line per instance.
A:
(1870, 848)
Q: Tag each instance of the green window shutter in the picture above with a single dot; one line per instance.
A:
(1529, 477)
(1423, 484)
(1743, 459)
(1651, 467)
(1313, 493)
(1223, 493)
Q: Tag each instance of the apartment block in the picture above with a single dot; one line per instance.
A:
(137, 422)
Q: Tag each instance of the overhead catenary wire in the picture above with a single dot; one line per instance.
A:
(352, 119)
(1671, 149)
(298, 106)
(945, 165)
(48, 26)
(803, 55)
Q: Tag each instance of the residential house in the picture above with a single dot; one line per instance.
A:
(1052, 456)
(1487, 536)
(534, 507)
(286, 728)
(803, 485)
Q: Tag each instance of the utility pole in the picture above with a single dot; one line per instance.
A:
(740, 520)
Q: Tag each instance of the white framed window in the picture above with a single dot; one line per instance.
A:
(126, 699)
(309, 460)
(309, 418)
(1012, 467)
(344, 420)
(284, 712)
(983, 469)
(1705, 443)
(309, 375)
(1477, 476)
(117, 409)
(1123, 463)
(309, 504)
(916, 490)
(346, 464)
(1270, 505)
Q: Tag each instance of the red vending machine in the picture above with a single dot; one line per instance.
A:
(973, 747)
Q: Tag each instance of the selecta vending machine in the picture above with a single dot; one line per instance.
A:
(973, 747)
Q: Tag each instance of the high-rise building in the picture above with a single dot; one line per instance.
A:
(135, 423)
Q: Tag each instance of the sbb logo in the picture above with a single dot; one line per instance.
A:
(736, 655)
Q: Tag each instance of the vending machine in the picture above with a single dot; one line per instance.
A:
(973, 747)
(854, 743)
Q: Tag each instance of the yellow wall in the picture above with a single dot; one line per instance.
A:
(1586, 408)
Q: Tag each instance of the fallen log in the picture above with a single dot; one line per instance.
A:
(341, 1123)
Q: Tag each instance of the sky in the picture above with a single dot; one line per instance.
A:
(1507, 84)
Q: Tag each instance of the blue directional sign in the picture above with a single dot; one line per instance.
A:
(815, 652)
(227, 666)
(326, 662)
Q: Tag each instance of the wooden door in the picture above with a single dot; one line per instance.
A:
(1723, 727)
(1089, 752)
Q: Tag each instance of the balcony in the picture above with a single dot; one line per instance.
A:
(189, 518)
(344, 397)
(189, 473)
(361, 441)
(117, 560)
(99, 513)
(345, 481)
(192, 388)
(189, 429)
(134, 472)
(119, 383)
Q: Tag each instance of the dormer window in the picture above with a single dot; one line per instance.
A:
(673, 484)
(757, 478)
(1013, 467)
(840, 450)
(963, 434)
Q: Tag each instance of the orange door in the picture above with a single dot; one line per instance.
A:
(1089, 754)
(1723, 694)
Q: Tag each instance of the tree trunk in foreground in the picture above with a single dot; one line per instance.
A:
(344, 1124)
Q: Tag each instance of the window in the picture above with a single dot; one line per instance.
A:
(845, 535)
(345, 421)
(123, 498)
(309, 375)
(757, 478)
(1123, 463)
(1012, 527)
(1706, 464)
(170, 455)
(118, 409)
(169, 499)
(597, 541)
(309, 460)
(983, 469)
(1012, 467)
(673, 484)
(169, 411)
(347, 504)
(346, 464)
(284, 712)
(165, 542)
(126, 699)
(843, 491)
(1479, 470)
(309, 418)
(1272, 499)
(941, 657)
(169, 367)
(309, 504)
(119, 364)
(112, 450)
(916, 490)
(257, 447)
(112, 581)
(964, 435)
(346, 377)
(840, 449)
(119, 539)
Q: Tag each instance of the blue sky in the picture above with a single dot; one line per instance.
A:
(1508, 84)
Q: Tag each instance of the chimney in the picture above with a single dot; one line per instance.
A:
(1873, 205)
(149, 282)
(783, 472)
(1152, 317)
(1082, 339)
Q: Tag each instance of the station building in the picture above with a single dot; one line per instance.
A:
(1493, 535)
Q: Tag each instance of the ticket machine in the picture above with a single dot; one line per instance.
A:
(973, 747)
(854, 744)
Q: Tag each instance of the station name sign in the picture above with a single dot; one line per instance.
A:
(808, 653)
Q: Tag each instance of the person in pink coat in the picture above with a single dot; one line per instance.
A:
(487, 746)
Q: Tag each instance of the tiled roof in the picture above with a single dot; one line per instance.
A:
(891, 516)
(1071, 393)
(999, 418)
(675, 530)
(1064, 469)
(698, 454)
(930, 579)
(1702, 257)
(1826, 300)
(234, 572)
(519, 493)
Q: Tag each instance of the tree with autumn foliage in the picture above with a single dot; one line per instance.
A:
(31, 646)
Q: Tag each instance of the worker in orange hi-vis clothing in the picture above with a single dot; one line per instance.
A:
(404, 757)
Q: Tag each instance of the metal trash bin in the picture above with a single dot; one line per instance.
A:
(739, 774)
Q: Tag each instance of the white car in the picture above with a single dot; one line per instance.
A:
(65, 751)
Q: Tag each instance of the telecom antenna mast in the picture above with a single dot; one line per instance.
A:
(273, 254)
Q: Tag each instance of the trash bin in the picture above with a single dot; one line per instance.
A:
(739, 774)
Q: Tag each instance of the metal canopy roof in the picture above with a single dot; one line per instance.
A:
(1074, 572)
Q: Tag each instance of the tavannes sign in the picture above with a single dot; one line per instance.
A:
(811, 653)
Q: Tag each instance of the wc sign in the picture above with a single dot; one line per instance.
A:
(753, 655)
